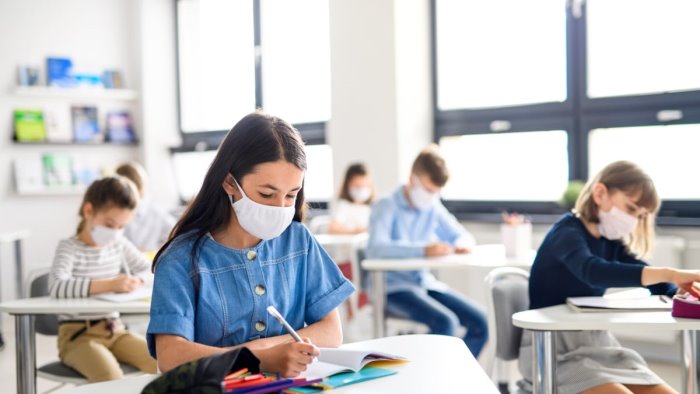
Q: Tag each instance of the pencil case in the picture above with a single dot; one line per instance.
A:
(686, 306)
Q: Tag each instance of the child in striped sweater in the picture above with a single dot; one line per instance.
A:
(91, 262)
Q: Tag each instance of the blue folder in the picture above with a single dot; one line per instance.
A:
(345, 378)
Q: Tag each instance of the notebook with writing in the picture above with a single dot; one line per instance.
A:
(608, 304)
(140, 294)
(332, 361)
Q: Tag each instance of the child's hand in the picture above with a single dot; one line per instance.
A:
(125, 283)
(289, 358)
(438, 249)
(688, 281)
(462, 250)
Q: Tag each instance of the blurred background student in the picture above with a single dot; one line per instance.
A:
(150, 226)
(351, 211)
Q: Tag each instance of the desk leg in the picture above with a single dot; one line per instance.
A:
(26, 354)
(689, 349)
(544, 359)
(19, 269)
(378, 301)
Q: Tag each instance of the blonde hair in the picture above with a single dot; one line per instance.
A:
(134, 172)
(628, 178)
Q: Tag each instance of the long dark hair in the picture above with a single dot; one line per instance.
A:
(257, 138)
(356, 169)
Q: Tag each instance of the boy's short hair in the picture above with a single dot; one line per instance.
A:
(134, 172)
(430, 162)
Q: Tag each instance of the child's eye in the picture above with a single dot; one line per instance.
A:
(263, 195)
(291, 196)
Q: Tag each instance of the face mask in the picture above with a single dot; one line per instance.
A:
(261, 221)
(616, 224)
(102, 235)
(360, 194)
(420, 197)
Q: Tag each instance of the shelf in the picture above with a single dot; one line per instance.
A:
(47, 143)
(87, 93)
(57, 191)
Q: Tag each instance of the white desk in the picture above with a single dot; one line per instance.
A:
(14, 237)
(439, 364)
(350, 244)
(24, 311)
(543, 322)
(482, 256)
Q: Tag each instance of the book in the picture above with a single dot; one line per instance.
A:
(332, 361)
(85, 125)
(58, 169)
(140, 294)
(29, 174)
(610, 304)
(59, 72)
(58, 123)
(344, 379)
(29, 125)
(120, 127)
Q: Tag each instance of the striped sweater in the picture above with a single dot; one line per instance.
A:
(76, 264)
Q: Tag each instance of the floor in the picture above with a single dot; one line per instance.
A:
(46, 351)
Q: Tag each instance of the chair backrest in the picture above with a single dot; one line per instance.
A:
(507, 294)
(319, 224)
(38, 286)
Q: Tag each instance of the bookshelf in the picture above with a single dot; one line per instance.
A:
(72, 143)
(87, 93)
(63, 191)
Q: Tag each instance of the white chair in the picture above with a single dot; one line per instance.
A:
(38, 286)
(319, 224)
(507, 293)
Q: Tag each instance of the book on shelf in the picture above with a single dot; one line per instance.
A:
(120, 127)
(29, 125)
(612, 304)
(29, 174)
(86, 127)
(58, 170)
(59, 72)
(58, 124)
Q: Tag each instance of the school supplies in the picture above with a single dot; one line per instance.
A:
(243, 382)
(332, 361)
(608, 304)
(277, 315)
(686, 306)
(344, 379)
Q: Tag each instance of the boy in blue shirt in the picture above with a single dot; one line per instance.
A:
(412, 222)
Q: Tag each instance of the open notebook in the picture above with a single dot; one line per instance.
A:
(332, 361)
(140, 294)
(609, 304)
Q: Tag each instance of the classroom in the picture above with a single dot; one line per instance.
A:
(349, 195)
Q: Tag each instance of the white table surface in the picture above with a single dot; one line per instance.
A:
(439, 364)
(481, 256)
(564, 318)
(11, 236)
(341, 239)
(48, 305)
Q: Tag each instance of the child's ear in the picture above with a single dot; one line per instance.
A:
(229, 186)
(599, 193)
(88, 210)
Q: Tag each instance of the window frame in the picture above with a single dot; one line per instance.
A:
(583, 114)
(312, 133)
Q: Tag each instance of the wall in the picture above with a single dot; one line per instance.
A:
(134, 36)
(380, 86)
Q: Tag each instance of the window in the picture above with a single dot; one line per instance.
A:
(236, 56)
(318, 182)
(669, 164)
(565, 88)
(190, 169)
(530, 166)
(500, 52)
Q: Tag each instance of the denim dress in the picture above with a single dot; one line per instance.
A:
(235, 286)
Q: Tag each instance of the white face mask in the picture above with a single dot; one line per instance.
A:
(421, 197)
(259, 220)
(102, 235)
(360, 194)
(616, 224)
